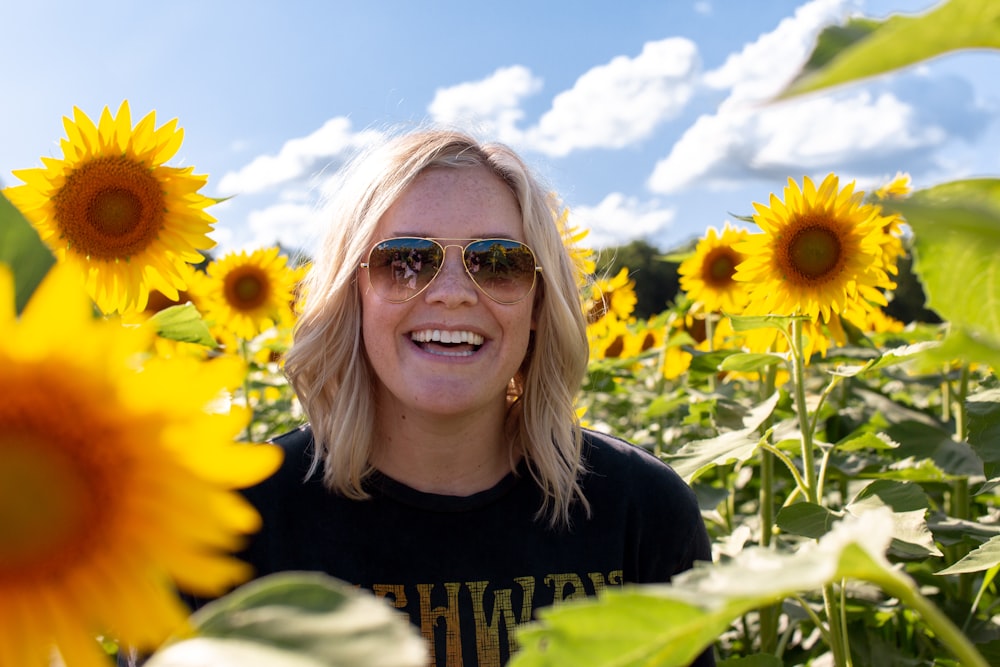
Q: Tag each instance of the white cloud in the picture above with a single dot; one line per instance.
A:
(492, 104)
(293, 225)
(812, 134)
(746, 137)
(619, 219)
(620, 103)
(298, 158)
(765, 66)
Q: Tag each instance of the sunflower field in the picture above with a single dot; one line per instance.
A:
(847, 464)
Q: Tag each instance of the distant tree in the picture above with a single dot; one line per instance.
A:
(909, 301)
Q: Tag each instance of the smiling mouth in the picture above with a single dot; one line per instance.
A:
(448, 343)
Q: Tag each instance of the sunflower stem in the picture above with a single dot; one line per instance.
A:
(802, 411)
(768, 615)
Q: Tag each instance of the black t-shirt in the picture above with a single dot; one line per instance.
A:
(468, 569)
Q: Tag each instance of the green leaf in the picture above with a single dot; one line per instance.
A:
(23, 251)
(694, 458)
(983, 412)
(183, 323)
(297, 619)
(807, 519)
(669, 625)
(747, 362)
(983, 557)
(956, 230)
(863, 48)
(875, 441)
(751, 322)
(911, 537)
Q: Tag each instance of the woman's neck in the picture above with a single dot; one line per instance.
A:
(458, 455)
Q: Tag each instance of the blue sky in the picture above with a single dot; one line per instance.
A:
(646, 117)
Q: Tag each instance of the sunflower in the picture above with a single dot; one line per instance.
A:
(707, 276)
(582, 257)
(246, 294)
(819, 254)
(612, 296)
(113, 210)
(116, 482)
(892, 225)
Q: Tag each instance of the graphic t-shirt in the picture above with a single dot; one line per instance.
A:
(468, 569)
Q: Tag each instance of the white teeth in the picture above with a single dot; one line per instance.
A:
(453, 337)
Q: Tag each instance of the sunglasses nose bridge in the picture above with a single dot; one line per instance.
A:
(451, 273)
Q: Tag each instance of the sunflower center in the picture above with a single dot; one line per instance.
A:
(813, 252)
(719, 267)
(110, 208)
(57, 496)
(46, 504)
(246, 290)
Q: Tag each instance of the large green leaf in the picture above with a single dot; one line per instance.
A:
(984, 557)
(668, 625)
(22, 251)
(297, 619)
(956, 231)
(983, 410)
(863, 48)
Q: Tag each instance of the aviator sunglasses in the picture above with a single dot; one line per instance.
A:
(401, 268)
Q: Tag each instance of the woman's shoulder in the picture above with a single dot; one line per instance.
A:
(625, 465)
(297, 446)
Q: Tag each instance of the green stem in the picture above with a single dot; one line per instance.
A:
(802, 411)
(961, 505)
(769, 615)
(836, 641)
(781, 456)
(941, 625)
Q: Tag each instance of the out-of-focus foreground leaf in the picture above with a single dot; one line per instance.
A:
(669, 625)
(863, 47)
(297, 619)
(956, 233)
(21, 249)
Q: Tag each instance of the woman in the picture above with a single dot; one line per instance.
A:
(445, 469)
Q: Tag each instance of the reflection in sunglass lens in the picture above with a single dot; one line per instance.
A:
(505, 270)
(401, 268)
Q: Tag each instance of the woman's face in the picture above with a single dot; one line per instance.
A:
(415, 373)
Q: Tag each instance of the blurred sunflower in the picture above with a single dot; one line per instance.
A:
(892, 225)
(114, 211)
(819, 254)
(116, 482)
(246, 294)
(707, 276)
(615, 296)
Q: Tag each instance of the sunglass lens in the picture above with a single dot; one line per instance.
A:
(504, 269)
(399, 268)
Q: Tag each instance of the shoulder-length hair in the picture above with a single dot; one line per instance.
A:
(331, 374)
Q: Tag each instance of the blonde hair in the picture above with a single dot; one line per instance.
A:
(327, 365)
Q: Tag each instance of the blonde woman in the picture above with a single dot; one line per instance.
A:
(438, 355)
